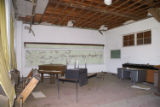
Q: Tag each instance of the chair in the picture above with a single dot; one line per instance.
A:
(78, 74)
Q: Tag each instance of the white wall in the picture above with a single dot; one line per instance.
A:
(112, 39)
(55, 34)
(134, 54)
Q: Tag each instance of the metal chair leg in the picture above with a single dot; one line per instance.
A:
(21, 101)
(96, 83)
(58, 86)
(76, 92)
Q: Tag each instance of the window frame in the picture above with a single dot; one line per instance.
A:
(144, 39)
(129, 39)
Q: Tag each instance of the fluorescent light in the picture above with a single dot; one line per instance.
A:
(108, 2)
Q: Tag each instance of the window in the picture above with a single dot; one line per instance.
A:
(144, 38)
(128, 40)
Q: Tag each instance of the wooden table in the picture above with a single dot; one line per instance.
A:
(51, 69)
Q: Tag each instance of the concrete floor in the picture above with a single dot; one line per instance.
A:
(110, 92)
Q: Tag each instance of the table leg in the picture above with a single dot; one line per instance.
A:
(58, 88)
(76, 92)
(62, 74)
(96, 82)
(52, 78)
(56, 76)
(21, 101)
(41, 77)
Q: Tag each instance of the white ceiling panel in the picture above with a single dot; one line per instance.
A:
(41, 5)
(25, 7)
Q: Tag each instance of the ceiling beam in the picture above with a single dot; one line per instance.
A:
(94, 19)
(65, 8)
(73, 9)
(109, 19)
(155, 13)
(95, 9)
(57, 5)
(83, 15)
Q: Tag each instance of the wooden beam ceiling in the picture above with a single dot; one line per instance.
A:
(155, 13)
(93, 9)
(93, 13)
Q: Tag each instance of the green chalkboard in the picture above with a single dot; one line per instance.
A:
(115, 54)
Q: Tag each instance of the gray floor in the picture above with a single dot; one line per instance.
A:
(110, 92)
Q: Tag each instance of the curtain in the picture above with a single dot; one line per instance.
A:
(12, 49)
(5, 80)
(4, 40)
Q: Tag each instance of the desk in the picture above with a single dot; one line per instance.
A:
(76, 81)
(52, 70)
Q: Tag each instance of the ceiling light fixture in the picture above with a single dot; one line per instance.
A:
(70, 23)
(103, 27)
(108, 2)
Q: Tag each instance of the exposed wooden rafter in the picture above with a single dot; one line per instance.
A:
(155, 13)
(94, 13)
(95, 9)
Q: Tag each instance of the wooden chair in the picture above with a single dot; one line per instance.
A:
(31, 82)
